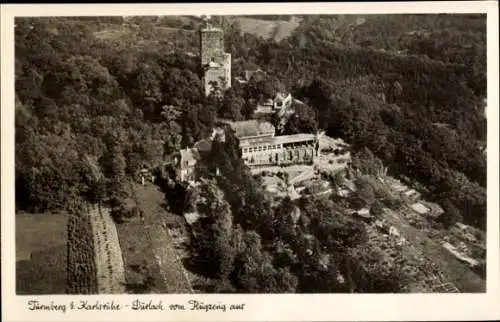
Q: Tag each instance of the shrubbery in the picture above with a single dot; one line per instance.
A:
(82, 273)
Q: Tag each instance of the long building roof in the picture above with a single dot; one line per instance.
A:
(282, 139)
(300, 137)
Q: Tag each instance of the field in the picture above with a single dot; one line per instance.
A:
(147, 249)
(148, 37)
(158, 32)
(138, 259)
(278, 30)
(41, 253)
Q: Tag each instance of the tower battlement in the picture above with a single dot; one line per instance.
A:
(215, 63)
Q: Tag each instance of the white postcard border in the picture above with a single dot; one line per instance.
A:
(292, 307)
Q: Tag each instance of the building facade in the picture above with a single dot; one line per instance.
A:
(185, 160)
(279, 105)
(185, 164)
(260, 147)
(215, 63)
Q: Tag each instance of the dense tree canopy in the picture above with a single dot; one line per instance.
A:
(84, 98)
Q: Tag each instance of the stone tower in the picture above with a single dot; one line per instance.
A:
(215, 63)
(211, 43)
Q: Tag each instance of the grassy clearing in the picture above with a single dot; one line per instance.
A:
(41, 253)
(277, 30)
(112, 34)
(266, 29)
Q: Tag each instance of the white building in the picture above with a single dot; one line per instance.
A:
(260, 147)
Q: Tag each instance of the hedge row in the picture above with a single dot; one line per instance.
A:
(81, 268)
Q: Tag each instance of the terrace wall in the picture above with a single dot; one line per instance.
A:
(108, 255)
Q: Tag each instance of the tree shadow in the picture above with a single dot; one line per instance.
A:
(192, 265)
(136, 268)
(174, 196)
(198, 267)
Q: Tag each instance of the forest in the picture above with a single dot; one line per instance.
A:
(421, 112)
(99, 98)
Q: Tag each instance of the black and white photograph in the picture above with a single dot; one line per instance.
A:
(251, 154)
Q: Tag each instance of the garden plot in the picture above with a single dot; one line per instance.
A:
(41, 253)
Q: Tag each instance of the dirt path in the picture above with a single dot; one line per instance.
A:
(108, 255)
